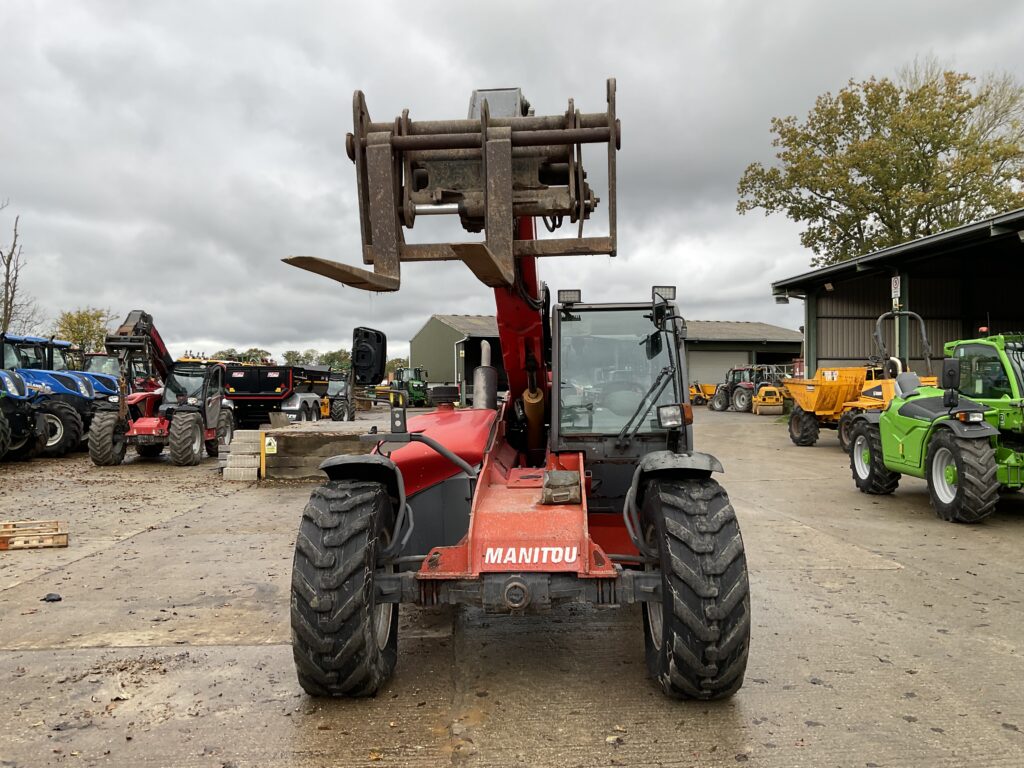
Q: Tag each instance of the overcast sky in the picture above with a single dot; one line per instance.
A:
(166, 156)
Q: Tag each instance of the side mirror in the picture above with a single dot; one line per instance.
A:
(653, 345)
(950, 381)
(369, 355)
(950, 374)
(658, 314)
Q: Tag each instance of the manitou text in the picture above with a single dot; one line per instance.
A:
(530, 555)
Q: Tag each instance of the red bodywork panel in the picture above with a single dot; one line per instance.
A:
(464, 432)
(511, 531)
(151, 424)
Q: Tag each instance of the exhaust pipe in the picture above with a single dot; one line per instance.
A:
(485, 380)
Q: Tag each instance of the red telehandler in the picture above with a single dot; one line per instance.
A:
(185, 415)
(581, 486)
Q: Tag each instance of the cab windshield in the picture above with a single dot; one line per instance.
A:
(61, 360)
(982, 373)
(605, 373)
(335, 387)
(182, 385)
(32, 356)
(11, 358)
(103, 364)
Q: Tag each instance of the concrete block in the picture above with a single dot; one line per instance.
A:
(242, 461)
(243, 475)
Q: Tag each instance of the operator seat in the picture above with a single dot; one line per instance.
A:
(907, 384)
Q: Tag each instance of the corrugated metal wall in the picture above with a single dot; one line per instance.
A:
(434, 349)
(846, 320)
(952, 309)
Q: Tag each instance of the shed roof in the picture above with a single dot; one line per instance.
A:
(697, 330)
(471, 325)
(739, 330)
(992, 231)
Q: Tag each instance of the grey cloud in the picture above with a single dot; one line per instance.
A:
(167, 156)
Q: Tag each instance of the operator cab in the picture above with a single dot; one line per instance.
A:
(620, 373)
(195, 386)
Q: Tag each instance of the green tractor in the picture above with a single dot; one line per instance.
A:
(412, 381)
(965, 439)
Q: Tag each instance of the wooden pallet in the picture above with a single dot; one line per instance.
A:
(33, 534)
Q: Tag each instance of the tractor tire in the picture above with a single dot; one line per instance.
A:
(698, 635)
(803, 427)
(5, 435)
(25, 449)
(741, 399)
(720, 400)
(844, 430)
(225, 427)
(107, 444)
(961, 475)
(343, 642)
(185, 439)
(339, 409)
(149, 451)
(866, 463)
(64, 428)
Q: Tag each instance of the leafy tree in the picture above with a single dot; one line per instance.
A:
(310, 357)
(226, 354)
(339, 360)
(395, 363)
(85, 327)
(883, 162)
(19, 312)
(291, 357)
(254, 355)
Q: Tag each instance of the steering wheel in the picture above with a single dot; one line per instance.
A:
(621, 397)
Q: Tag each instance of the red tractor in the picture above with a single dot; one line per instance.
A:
(583, 485)
(185, 415)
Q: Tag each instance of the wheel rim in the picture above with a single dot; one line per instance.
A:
(944, 475)
(654, 609)
(55, 428)
(383, 613)
(229, 433)
(197, 440)
(862, 456)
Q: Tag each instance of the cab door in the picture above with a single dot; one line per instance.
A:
(214, 394)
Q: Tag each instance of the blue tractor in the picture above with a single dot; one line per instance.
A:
(23, 429)
(64, 397)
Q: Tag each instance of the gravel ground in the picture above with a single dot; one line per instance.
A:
(882, 636)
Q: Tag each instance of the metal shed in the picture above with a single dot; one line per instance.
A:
(715, 346)
(449, 347)
(959, 281)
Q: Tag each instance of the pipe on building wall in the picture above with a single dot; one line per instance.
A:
(460, 382)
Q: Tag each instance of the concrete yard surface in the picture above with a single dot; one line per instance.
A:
(882, 636)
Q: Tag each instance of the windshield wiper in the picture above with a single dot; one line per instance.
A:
(644, 407)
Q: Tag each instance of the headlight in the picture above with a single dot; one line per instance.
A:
(193, 401)
(670, 416)
(972, 417)
(83, 389)
(114, 398)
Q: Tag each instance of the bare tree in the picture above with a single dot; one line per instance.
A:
(18, 312)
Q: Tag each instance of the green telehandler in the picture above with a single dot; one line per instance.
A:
(965, 438)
